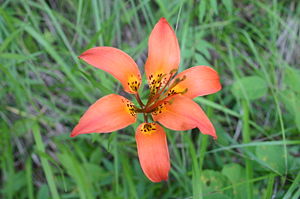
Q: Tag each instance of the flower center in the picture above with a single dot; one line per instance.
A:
(134, 83)
(159, 109)
(177, 90)
(130, 108)
(160, 90)
(156, 81)
(148, 128)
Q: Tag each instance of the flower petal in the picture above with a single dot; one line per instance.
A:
(182, 113)
(117, 63)
(163, 52)
(153, 151)
(110, 113)
(199, 81)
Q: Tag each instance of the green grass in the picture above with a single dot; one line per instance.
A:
(44, 89)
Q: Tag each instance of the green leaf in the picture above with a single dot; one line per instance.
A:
(290, 99)
(216, 196)
(272, 156)
(43, 192)
(214, 6)
(236, 174)
(251, 87)
(297, 117)
(292, 78)
(228, 5)
(200, 60)
(203, 47)
(202, 10)
(214, 181)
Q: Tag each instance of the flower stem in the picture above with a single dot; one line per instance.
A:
(145, 117)
(138, 99)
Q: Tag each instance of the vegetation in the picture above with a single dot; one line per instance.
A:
(44, 89)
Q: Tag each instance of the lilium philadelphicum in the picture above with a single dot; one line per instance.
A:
(170, 100)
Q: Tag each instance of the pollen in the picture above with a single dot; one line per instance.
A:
(156, 81)
(160, 108)
(177, 90)
(134, 83)
(130, 108)
(172, 92)
(148, 128)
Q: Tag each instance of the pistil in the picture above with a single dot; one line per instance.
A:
(162, 95)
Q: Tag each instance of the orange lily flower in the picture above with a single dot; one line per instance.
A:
(170, 100)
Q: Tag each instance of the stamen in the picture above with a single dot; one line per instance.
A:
(156, 92)
(164, 101)
(177, 90)
(159, 109)
(177, 81)
(172, 72)
(156, 81)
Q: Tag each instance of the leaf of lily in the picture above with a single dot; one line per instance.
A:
(153, 151)
(117, 63)
(182, 113)
(199, 81)
(110, 113)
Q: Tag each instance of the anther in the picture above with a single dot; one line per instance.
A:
(173, 71)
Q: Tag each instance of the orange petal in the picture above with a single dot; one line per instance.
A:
(110, 113)
(182, 113)
(163, 51)
(117, 63)
(153, 151)
(199, 81)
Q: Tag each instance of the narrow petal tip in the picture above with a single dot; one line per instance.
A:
(163, 19)
(76, 131)
(72, 135)
(82, 55)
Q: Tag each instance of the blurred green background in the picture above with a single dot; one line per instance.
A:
(45, 88)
